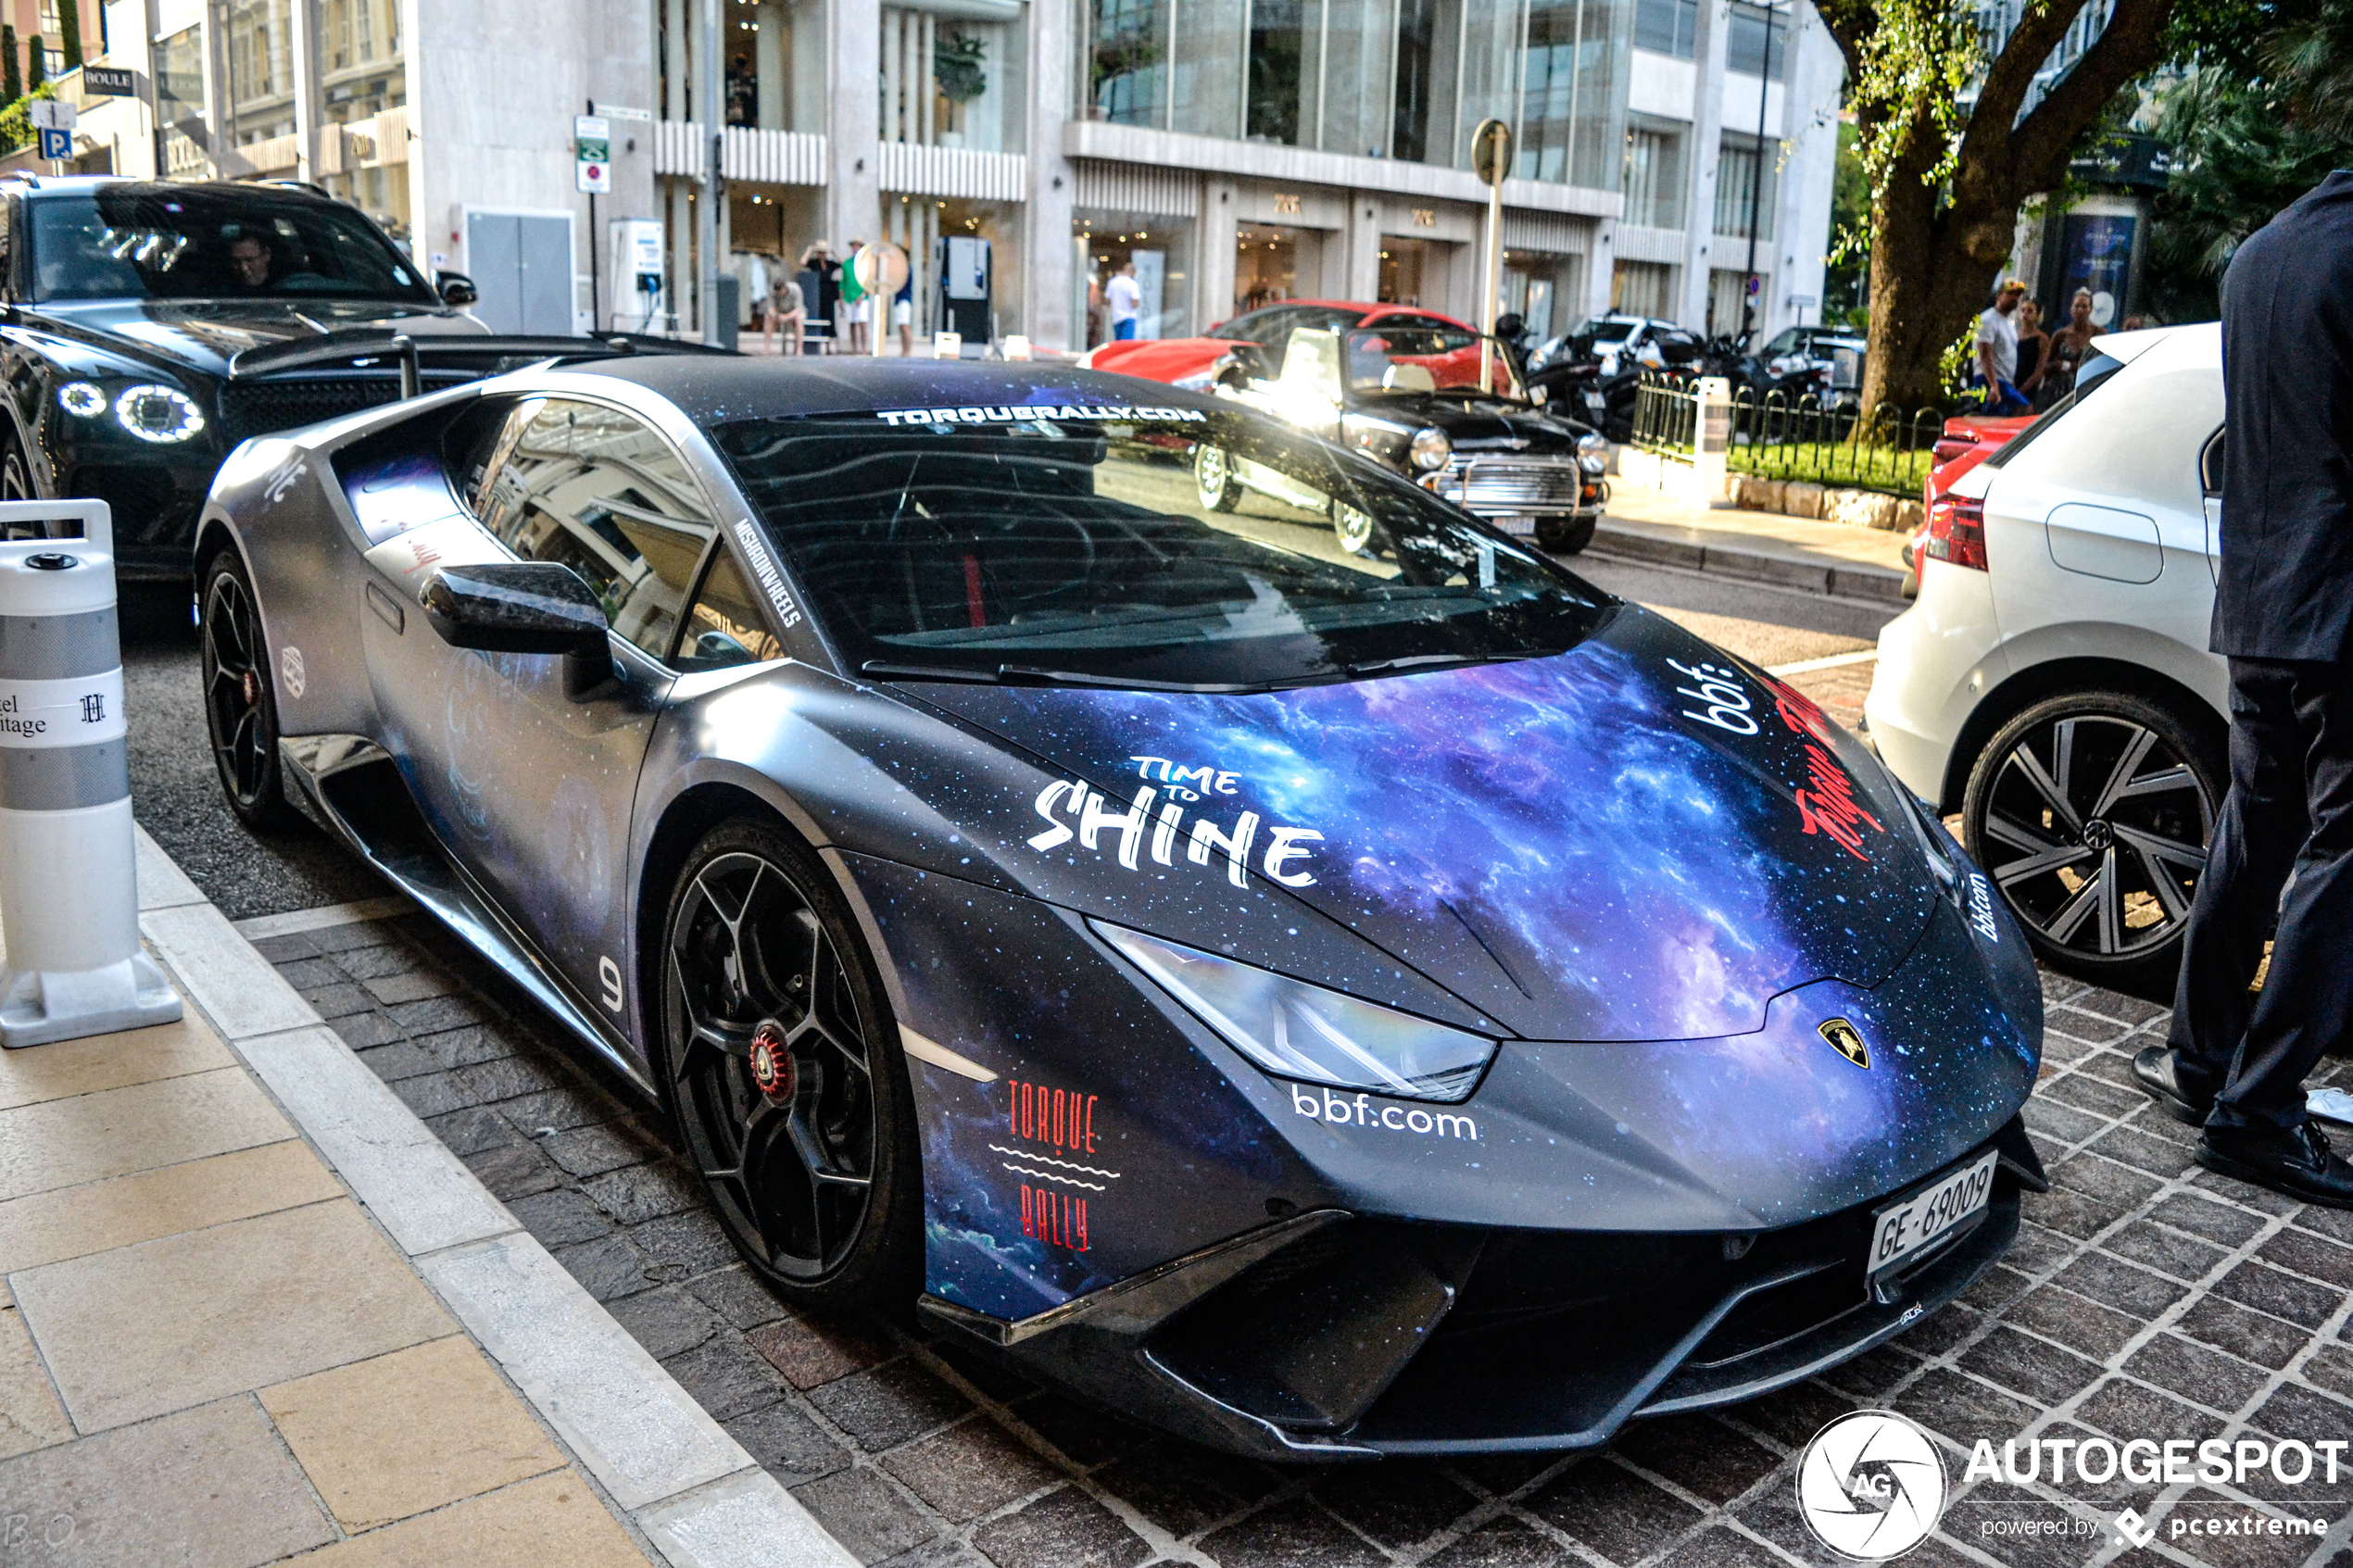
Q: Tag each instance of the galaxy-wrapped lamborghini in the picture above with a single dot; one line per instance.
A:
(1323, 1004)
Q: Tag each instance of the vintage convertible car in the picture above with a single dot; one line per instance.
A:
(1439, 405)
(1322, 1005)
(147, 328)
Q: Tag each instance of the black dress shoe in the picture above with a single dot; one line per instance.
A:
(2299, 1162)
(2155, 1069)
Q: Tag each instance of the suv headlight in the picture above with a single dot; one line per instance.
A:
(1295, 1029)
(1430, 448)
(158, 413)
(84, 401)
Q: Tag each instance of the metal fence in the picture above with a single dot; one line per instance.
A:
(1834, 444)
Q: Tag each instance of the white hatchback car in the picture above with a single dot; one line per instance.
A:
(2051, 682)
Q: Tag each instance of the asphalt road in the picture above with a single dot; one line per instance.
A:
(176, 795)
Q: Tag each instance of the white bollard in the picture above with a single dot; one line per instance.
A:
(69, 878)
(1713, 441)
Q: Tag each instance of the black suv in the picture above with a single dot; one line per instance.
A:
(147, 328)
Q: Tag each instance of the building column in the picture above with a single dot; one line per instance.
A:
(302, 73)
(1601, 267)
(1707, 138)
(677, 32)
(1048, 257)
(768, 61)
(852, 199)
(678, 303)
(1360, 248)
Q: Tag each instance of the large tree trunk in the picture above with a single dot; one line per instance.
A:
(1938, 239)
(1931, 272)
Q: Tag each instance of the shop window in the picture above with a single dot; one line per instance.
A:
(1668, 27)
(1127, 61)
(1744, 183)
(1759, 42)
(1641, 288)
(1279, 43)
(1653, 179)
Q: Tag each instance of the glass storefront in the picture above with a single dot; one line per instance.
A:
(1273, 263)
(1545, 288)
(1401, 79)
(1417, 271)
(1162, 250)
(1642, 288)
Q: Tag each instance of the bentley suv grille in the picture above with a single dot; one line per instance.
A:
(262, 407)
(1512, 485)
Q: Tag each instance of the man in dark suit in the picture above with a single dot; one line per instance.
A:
(2236, 1061)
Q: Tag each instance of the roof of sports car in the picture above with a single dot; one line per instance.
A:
(712, 388)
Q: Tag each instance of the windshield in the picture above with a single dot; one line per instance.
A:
(1405, 360)
(140, 243)
(1605, 332)
(1174, 547)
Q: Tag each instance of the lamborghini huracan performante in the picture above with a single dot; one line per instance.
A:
(1322, 1005)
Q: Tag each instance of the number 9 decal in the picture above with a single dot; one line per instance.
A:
(608, 973)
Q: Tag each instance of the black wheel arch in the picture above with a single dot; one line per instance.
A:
(685, 821)
(2058, 677)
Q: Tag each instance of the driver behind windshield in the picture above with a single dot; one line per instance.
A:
(250, 262)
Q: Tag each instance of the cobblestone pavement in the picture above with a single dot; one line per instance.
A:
(2144, 1297)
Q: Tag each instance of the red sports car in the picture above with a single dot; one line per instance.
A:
(1186, 361)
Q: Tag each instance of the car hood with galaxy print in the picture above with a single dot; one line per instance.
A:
(1642, 838)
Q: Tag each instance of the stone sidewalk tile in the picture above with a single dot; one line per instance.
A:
(645, 1444)
(553, 1522)
(204, 1489)
(31, 1416)
(110, 1061)
(409, 1431)
(48, 1228)
(172, 1323)
(88, 1138)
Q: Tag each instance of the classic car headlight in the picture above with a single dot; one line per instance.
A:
(82, 399)
(161, 414)
(1593, 445)
(1295, 1029)
(1431, 448)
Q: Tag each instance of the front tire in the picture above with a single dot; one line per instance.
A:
(782, 1063)
(240, 700)
(1565, 536)
(1213, 477)
(2091, 812)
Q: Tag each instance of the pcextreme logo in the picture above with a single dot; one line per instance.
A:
(1871, 1485)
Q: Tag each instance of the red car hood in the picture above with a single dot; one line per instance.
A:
(1160, 360)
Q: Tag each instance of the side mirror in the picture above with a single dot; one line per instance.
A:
(456, 288)
(519, 606)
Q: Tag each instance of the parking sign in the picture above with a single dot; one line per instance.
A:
(56, 145)
(592, 153)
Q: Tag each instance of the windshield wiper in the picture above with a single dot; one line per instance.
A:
(1414, 662)
(978, 675)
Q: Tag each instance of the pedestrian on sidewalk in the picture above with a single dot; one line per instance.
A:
(2283, 613)
(1126, 297)
(1998, 350)
(786, 312)
(2069, 345)
(2033, 349)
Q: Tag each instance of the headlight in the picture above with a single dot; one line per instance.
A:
(1295, 1029)
(162, 414)
(1430, 448)
(82, 399)
(1593, 445)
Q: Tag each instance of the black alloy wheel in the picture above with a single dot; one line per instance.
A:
(783, 1066)
(240, 707)
(2091, 812)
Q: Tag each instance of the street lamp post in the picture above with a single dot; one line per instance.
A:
(1756, 178)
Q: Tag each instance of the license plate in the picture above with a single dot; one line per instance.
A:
(1929, 1215)
(1515, 525)
(1596, 402)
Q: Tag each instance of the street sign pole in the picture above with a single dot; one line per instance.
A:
(592, 171)
(1492, 160)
